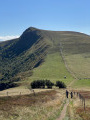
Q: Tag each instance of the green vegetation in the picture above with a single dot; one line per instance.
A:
(38, 84)
(79, 65)
(41, 84)
(38, 53)
(53, 68)
(20, 56)
(82, 83)
(48, 83)
(6, 85)
(60, 84)
(76, 52)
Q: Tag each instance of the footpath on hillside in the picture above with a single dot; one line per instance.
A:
(68, 69)
(63, 112)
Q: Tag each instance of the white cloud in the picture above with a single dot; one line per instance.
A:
(4, 38)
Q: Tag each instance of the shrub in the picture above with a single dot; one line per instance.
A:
(41, 84)
(7, 85)
(60, 84)
(38, 84)
(49, 84)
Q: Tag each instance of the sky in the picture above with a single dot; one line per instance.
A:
(56, 15)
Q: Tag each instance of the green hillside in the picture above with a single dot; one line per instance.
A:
(42, 54)
(53, 69)
(22, 55)
(83, 83)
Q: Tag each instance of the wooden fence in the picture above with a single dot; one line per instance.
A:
(83, 96)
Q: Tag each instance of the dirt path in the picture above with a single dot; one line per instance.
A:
(68, 69)
(63, 113)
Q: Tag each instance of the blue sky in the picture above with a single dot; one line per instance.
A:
(60, 15)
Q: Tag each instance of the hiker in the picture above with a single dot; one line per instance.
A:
(71, 94)
(67, 93)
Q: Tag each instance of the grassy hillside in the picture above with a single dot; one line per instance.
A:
(83, 83)
(79, 65)
(20, 56)
(38, 53)
(76, 53)
(53, 69)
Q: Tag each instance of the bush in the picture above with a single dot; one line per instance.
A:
(41, 84)
(60, 84)
(49, 84)
(7, 85)
(38, 84)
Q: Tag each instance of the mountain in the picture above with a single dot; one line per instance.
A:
(19, 57)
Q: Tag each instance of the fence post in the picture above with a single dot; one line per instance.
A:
(82, 101)
(80, 96)
(84, 104)
(34, 92)
(7, 94)
(77, 94)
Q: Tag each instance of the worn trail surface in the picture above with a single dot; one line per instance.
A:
(63, 113)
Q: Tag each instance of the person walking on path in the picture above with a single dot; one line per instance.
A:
(71, 94)
(67, 94)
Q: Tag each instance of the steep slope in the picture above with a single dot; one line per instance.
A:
(21, 55)
(18, 57)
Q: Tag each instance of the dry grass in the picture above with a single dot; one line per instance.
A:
(75, 109)
(85, 115)
(44, 105)
(78, 107)
(23, 90)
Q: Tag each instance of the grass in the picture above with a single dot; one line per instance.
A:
(82, 83)
(79, 65)
(53, 69)
(33, 47)
(85, 115)
(45, 105)
(79, 110)
(76, 50)
(23, 90)
(75, 109)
